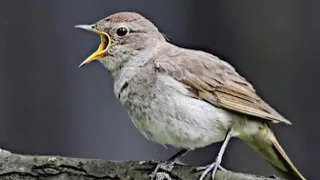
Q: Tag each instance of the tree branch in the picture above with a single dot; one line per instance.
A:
(24, 167)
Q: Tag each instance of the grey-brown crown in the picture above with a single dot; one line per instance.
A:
(128, 17)
(124, 17)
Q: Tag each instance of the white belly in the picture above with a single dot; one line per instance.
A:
(179, 120)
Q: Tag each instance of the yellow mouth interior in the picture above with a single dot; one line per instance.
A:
(105, 43)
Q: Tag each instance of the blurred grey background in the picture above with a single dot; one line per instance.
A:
(49, 106)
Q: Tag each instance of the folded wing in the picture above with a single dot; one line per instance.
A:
(210, 79)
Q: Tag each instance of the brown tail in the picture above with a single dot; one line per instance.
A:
(267, 145)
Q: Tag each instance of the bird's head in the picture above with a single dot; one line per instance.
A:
(122, 35)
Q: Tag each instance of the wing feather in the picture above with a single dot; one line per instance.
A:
(215, 81)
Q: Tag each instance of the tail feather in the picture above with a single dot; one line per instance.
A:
(265, 142)
(290, 170)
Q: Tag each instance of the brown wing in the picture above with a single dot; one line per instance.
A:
(215, 81)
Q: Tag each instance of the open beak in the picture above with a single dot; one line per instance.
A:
(103, 47)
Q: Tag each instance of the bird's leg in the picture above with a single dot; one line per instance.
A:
(169, 164)
(215, 165)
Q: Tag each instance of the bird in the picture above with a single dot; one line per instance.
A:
(184, 97)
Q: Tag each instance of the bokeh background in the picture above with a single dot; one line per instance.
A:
(49, 106)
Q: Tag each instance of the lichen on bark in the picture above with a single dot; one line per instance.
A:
(27, 167)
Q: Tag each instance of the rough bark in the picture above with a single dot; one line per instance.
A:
(25, 167)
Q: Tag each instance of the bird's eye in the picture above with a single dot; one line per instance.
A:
(122, 31)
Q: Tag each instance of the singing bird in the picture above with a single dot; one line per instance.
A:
(183, 97)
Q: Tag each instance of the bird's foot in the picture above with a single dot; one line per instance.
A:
(211, 167)
(167, 166)
(202, 168)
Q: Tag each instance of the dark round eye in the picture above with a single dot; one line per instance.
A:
(122, 31)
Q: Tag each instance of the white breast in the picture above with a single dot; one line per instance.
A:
(182, 121)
